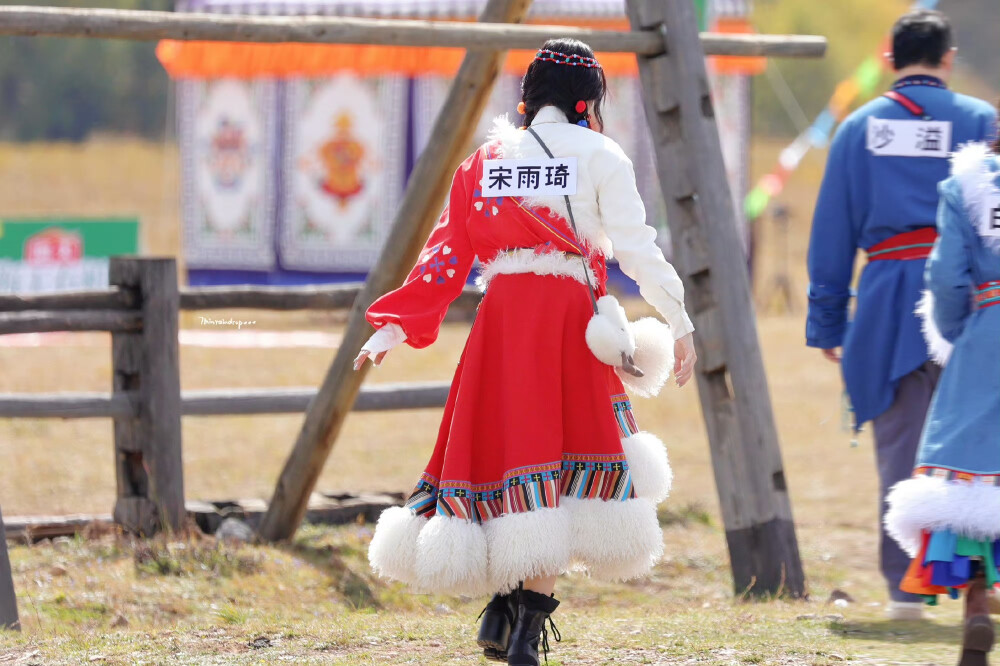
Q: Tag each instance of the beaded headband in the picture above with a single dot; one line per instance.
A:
(558, 58)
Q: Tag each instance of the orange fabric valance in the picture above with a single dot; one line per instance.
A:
(209, 60)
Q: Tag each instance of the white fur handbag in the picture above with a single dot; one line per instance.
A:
(641, 352)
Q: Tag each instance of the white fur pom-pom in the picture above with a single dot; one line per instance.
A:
(393, 549)
(609, 333)
(654, 355)
(649, 466)
(938, 348)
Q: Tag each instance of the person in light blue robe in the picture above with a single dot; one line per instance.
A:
(947, 515)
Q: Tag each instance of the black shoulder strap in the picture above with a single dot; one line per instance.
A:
(572, 221)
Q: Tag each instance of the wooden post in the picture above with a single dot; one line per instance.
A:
(8, 600)
(732, 384)
(148, 446)
(428, 185)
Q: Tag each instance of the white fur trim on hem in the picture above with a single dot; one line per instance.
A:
(615, 541)
(612, 540)
(648, 466)
(527, 545)
(654, 355)
(392, 553)
(526, 260)
(970, 509)
(937, 346)
(451, 555)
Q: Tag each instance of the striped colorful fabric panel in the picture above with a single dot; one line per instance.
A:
(424, 496)
(988, 294)
(607, 479)
(623, 415)
(954, 475)
(526, 489)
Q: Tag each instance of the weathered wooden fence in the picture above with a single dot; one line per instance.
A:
(8, 600)
(671, 56)
(140, 309)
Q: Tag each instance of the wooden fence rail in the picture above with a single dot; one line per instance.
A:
(217, 402)
(141, 310)
(332, 297)
(34, 321)
(147, 25)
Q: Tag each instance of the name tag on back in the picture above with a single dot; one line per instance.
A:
(529, 177)
(991, 213)
(909, 138)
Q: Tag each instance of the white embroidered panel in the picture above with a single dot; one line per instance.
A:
(529, 177)
(909, 138)
(227, 137)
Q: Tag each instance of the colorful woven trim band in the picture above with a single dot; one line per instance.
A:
(545, 55)
(955, 475)
(988, 294)
(906, 246)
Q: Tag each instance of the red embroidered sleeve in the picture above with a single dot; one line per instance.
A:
(419, 306)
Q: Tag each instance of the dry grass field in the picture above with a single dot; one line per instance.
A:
(107, 600)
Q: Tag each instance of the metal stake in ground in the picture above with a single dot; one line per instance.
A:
(732, 384)
(8, 600)
(425, 192)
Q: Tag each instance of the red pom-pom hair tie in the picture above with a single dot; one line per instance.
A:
(581, 106)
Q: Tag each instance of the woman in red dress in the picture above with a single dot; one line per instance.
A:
(539, 466)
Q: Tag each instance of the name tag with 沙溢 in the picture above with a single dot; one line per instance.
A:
(909, 138)
(529, 177)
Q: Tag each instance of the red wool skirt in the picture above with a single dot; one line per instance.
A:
(539, 466)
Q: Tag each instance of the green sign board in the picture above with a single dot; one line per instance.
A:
(59, 254)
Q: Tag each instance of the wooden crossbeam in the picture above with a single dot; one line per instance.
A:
(736, 404)
(218, 402)
(425, 193)
(146, 25)
(69, 320)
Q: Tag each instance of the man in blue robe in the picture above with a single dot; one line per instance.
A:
(879, 194)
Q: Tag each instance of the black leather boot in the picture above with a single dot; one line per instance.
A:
(533, 611)
(497, 621)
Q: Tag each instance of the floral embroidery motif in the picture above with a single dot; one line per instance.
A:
(436, 264)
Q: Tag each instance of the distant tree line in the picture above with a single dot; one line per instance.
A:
(65, 89)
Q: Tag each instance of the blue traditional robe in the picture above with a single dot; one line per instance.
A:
(962, 432)
(950, 508)
(866, 199)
